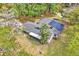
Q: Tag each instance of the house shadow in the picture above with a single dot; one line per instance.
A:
(32, 39)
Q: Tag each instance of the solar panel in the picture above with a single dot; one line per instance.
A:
(56, 25)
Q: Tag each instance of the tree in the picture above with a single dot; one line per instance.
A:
(39, 9)
(20, 9)
(29, 9)
(56, 8)
(34, 10)
(44, 33)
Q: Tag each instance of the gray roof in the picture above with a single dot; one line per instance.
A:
(31, 27)
(43, 21)
(29, 24)
(54, 31)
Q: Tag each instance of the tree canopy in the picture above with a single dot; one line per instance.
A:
(44, 33)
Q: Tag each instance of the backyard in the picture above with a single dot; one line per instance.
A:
(15, 42)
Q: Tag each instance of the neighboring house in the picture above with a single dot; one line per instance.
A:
(33, 29)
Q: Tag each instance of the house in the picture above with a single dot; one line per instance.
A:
(33, 29)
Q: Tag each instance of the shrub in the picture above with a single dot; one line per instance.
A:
(44, 33)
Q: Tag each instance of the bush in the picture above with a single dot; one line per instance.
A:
(44, 33)
(55, 8)
(28, 9)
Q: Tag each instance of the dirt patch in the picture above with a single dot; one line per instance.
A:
(29, 46)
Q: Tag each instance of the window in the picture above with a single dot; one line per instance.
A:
(37, 28)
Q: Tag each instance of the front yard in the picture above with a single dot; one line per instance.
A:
(33, 47)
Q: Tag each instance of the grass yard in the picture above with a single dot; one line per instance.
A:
(33, 47)
(57, 47)
(4, 38)
(6, 42)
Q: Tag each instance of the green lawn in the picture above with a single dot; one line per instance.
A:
(5, 42)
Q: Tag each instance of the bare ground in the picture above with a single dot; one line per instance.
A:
(32, 48)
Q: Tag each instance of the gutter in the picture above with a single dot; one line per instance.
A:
(49, 40)
(35, 35)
